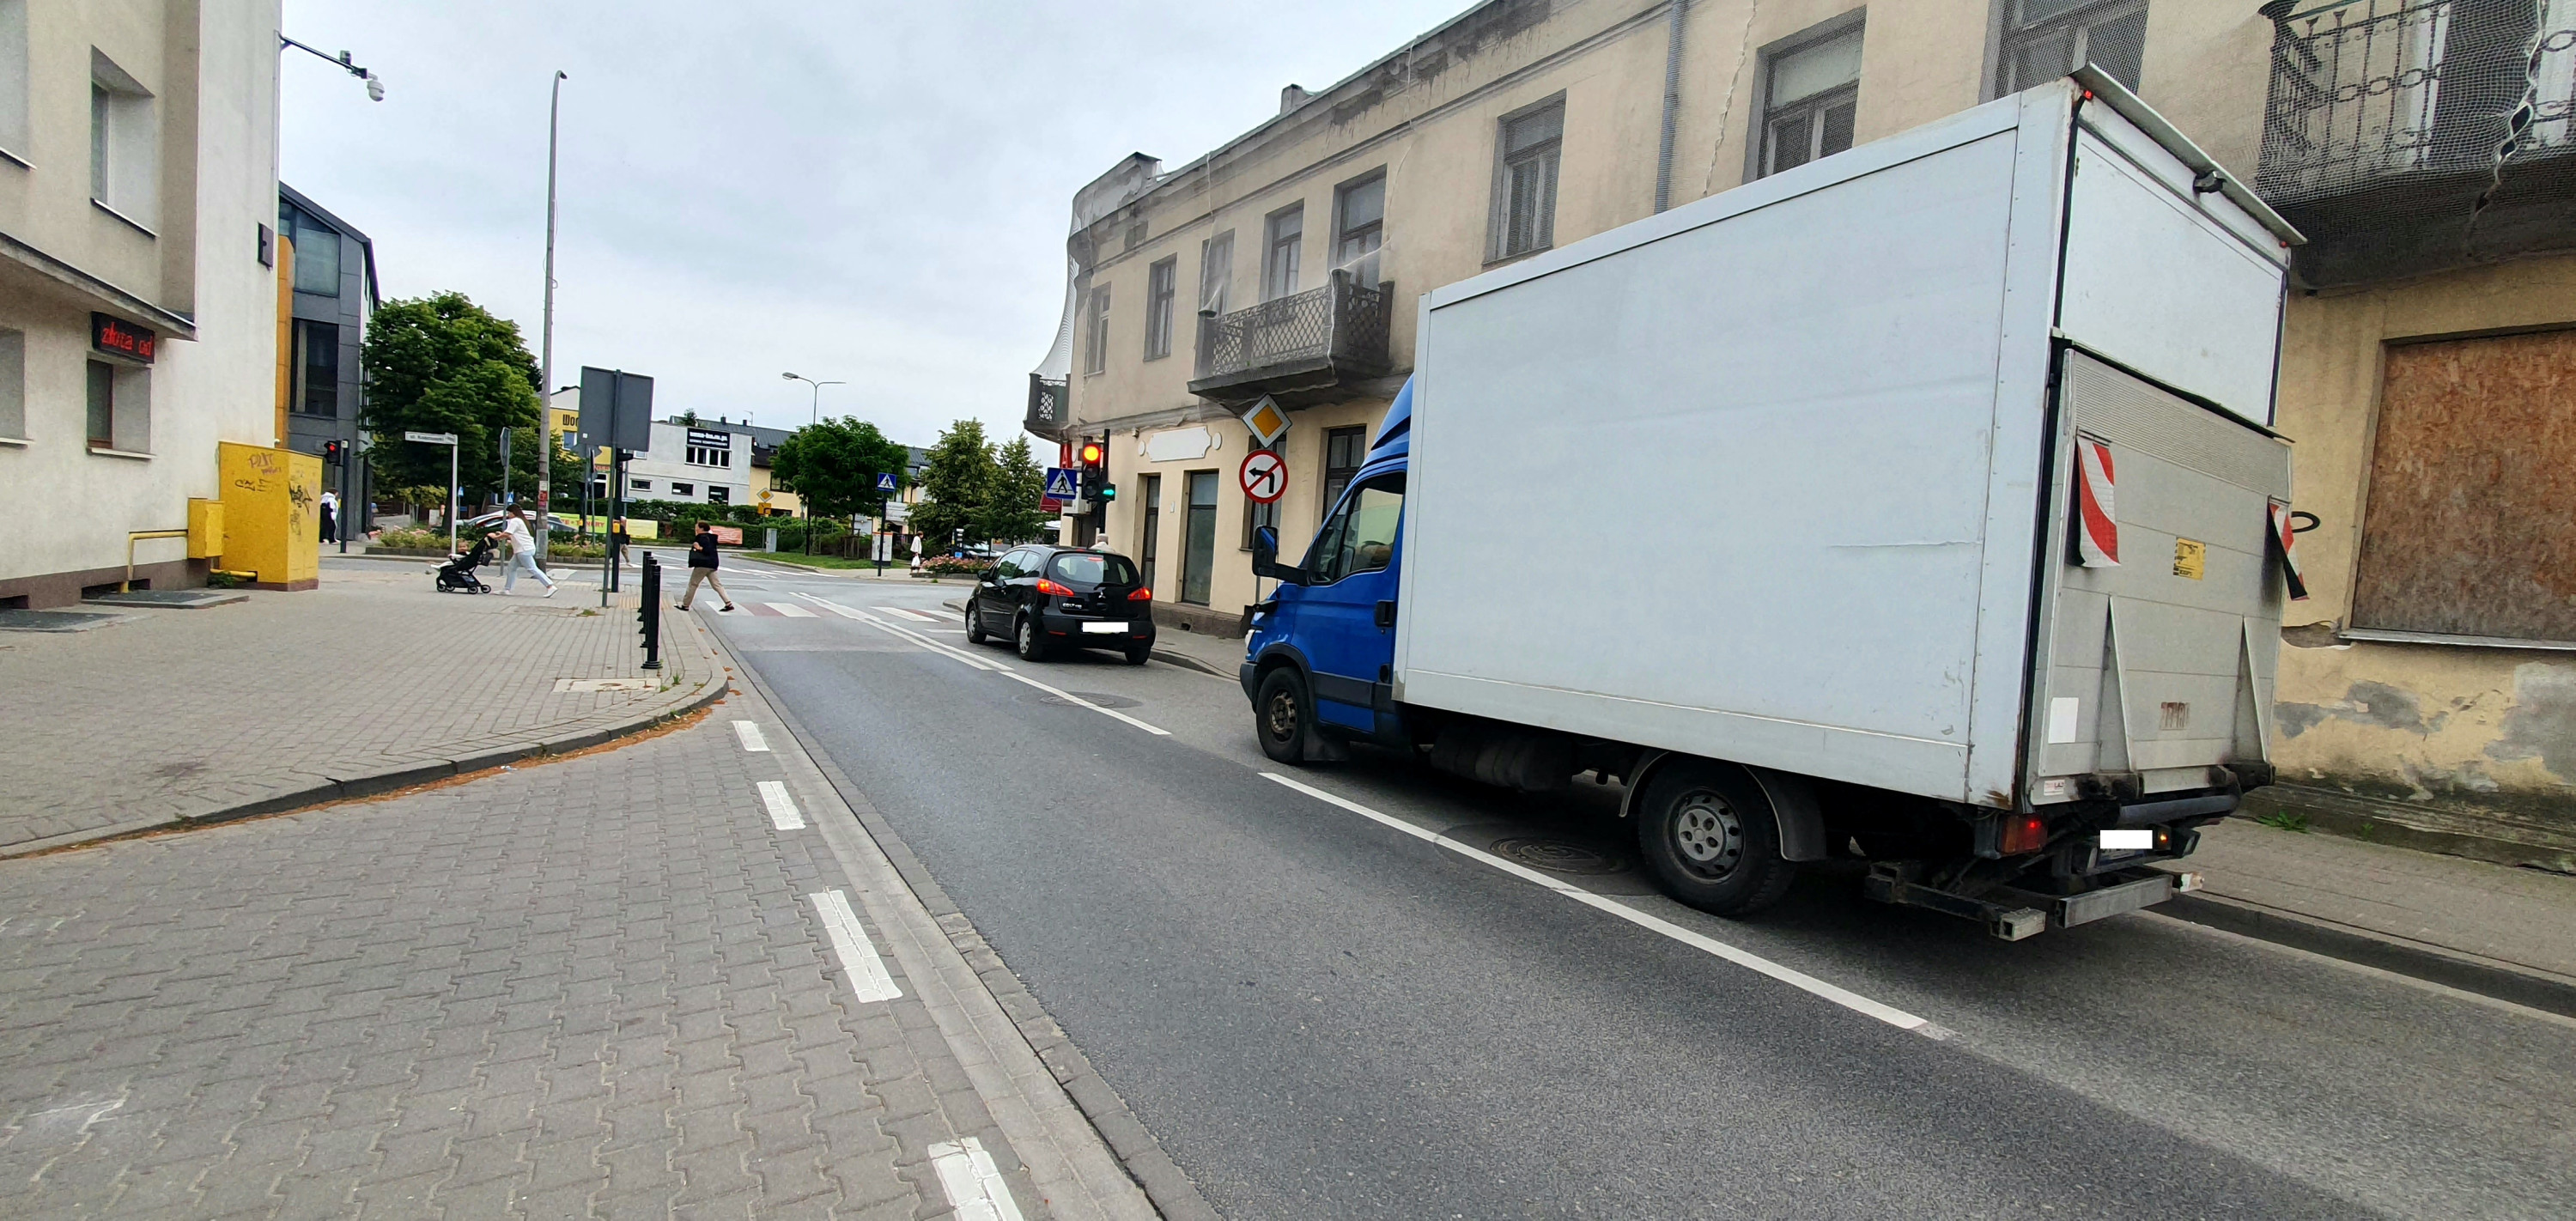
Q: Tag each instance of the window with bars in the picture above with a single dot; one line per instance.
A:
(1529, 147)
(1360, 228)
(1162, 284)
(1810, 97)
(2046, 39)
(1283, 240)
(1095, 355)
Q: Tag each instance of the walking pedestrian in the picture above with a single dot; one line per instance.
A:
(702, 567)
(523, 552)
(330, 517)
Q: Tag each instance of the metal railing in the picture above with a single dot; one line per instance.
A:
(1342, 324)
(2369, 91)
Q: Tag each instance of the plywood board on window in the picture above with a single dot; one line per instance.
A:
(2471, 525)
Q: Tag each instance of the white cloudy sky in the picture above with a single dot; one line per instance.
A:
(871, 192)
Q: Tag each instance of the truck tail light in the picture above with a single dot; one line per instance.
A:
(2023, 833)
(1141, 595)
(1045, 586)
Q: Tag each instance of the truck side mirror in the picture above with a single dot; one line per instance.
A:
(1265, 558)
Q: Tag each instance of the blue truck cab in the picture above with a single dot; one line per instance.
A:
(1318, 663)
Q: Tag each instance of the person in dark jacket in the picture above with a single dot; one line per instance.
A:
(702, 567)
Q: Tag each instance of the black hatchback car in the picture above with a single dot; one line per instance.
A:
(1046, 598)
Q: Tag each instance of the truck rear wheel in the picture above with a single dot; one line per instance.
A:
(1712, 839)
(1281, 715)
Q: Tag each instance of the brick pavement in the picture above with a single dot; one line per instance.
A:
(289, 698)
(594, 986)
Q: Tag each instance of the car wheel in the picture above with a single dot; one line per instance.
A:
(1032, 641)
(1138, 652)
(1282, 715)
(1711, 838)
(975, 633)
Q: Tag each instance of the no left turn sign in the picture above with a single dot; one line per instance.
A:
(1264, 476)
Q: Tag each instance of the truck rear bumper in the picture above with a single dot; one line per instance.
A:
(2011, 914)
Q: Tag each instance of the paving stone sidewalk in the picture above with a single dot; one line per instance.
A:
(598, 986)
(368, 682)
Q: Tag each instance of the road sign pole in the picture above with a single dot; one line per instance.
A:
(451, 498)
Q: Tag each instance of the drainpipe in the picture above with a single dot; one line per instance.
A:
(1672, 103)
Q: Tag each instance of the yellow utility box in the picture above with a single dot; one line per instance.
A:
(272, 514)
(205, 528)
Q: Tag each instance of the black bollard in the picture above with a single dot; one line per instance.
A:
(649, 613)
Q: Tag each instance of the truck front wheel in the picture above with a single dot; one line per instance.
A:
(1712, 839)
(1281, 714)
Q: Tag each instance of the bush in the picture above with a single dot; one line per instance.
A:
(959, 565)
(414, 537)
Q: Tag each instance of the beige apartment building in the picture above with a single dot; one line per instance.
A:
(2428, 375)
(140, 299)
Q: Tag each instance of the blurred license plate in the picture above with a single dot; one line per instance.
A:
(2129, 839)
(1105, 629)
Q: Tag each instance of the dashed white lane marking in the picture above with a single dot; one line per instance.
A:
(1692, 938)
(783, 813)
(911, 614)
(972, 1182)
(749, 732)
(868, 978)
(789, 609)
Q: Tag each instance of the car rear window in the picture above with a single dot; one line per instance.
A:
(1090, 568)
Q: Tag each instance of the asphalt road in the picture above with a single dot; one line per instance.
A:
(1318, 1014)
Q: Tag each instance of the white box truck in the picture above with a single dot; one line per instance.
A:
(1918, 504)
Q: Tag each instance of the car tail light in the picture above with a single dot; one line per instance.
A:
(1141, 595)
(2024, 833)
(1049, 587)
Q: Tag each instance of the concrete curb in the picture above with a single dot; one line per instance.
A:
(401, 775)
(1166, 1186)
(2473, 834)
(2486, 977)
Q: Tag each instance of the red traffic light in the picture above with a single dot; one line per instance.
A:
(1092, 453)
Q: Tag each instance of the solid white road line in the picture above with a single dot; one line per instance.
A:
(982, 664)
(782, 808)
(749, 732)
(972, 1182)
(789, 609)
(911, 614)
(868, 978)
(1071, 698)
(1692, 938)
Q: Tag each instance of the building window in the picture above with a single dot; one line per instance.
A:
(1162, 284)
(684, 489)
(708, 455)
(317, 251)
(317, 368)
(639, 485)
(13, 78)
(1095, 356)
(124, 147)
(2466, 532)
(1810, 99)
(1216, 272)
(13, 380)
(1283, 236)
(1149, 539)
(1359, 228)
(120, 407)
(1198, 538)
(1525, 179)
(719, 494)
(1344, 448)
(2046, 39)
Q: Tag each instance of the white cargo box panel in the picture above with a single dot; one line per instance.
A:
(1792, 441)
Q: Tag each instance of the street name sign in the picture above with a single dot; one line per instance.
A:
(1264, 476)
(431, 438)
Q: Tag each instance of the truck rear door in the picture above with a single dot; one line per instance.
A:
(2163, 603)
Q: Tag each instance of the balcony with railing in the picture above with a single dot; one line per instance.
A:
(1300, 349)
(2413, 136)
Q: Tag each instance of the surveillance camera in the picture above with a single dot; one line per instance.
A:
(375, 88)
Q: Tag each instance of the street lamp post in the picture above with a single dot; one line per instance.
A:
(546, 362)
(816, 418)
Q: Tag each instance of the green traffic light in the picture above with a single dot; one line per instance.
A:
(1108, 492)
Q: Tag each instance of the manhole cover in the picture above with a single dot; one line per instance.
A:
(1556, 855)
(1101, 699)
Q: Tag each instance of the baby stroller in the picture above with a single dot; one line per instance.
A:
(456, 576)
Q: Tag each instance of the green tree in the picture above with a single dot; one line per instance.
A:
(1010, 511)
(955, 483)
(833, 467)
(444, 364)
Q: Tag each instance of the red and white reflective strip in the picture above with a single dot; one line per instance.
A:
(2097, 534)
(2283, 536)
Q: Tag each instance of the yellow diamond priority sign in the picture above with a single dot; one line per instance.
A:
(1267, 422)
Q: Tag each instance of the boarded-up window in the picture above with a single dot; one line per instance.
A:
(2471, 529)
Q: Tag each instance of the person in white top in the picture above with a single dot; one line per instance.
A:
(523, 552)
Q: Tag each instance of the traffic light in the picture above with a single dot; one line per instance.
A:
(330, 453)
(1094, 456)
(1104, 491)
